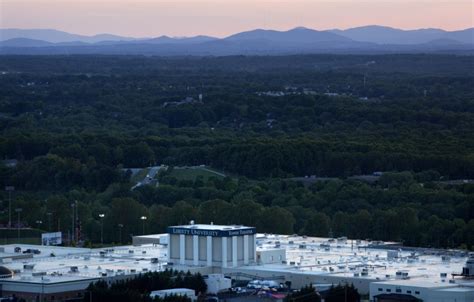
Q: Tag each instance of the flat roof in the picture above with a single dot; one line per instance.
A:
(78, 264)
(212, 227)
(364, 259)
(311, 256)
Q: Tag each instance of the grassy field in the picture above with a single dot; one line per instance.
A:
(27, 236)
(191, 173)
(25, 240)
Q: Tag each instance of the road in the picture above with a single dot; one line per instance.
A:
(149, 178)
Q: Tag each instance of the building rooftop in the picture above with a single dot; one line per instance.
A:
(212, 227)
(333, 258)
(75, 264)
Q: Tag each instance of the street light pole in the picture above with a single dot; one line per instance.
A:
(9, 189)
(143, 218)
(49, 220)
(101, 216)
(120, 232)
(72, 225)
(18, 211)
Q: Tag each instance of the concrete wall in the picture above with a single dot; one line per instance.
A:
(174, 248)
(271, 256)
(299, 279)
(436, 294)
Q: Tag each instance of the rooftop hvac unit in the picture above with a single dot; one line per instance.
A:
(74, 269)
(445, 258)
(38, 274)
(28, 266)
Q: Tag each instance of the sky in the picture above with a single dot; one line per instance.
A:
(150, 18)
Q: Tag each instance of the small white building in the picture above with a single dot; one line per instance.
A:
(271, 255)
(217, 283)
(174, 292)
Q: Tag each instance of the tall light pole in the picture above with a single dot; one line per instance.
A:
(101, 216)
(9, 189)
(120, 232)
(143, 218)
(74, 214)
(49, 214)
(18, 211)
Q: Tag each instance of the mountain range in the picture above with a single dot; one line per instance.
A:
(298, 40)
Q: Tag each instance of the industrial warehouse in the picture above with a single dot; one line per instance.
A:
(383, 271)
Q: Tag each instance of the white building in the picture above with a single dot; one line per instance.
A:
(421, 290)
(383, 270)
(211, 245)
(217, 283)
(174, 292)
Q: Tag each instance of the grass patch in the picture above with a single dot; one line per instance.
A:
(23, 240)
(192, 173)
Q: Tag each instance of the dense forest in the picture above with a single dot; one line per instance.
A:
(289, 132)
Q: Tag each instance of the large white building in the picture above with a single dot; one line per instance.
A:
(211, 245)
(381, 270)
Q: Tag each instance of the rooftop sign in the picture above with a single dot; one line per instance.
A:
(212, 232)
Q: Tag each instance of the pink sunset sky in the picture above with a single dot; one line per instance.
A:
(146, 18)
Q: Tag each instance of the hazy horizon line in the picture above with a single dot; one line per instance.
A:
(246, 30)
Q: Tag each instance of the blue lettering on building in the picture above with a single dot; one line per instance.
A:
(212, 233)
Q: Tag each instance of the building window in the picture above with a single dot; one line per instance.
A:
(380, 289)
(408, 291)
(398, 290)
(389, 290)
(417, 292)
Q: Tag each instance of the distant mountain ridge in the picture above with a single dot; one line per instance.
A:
(388, 35)
(259, 41)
